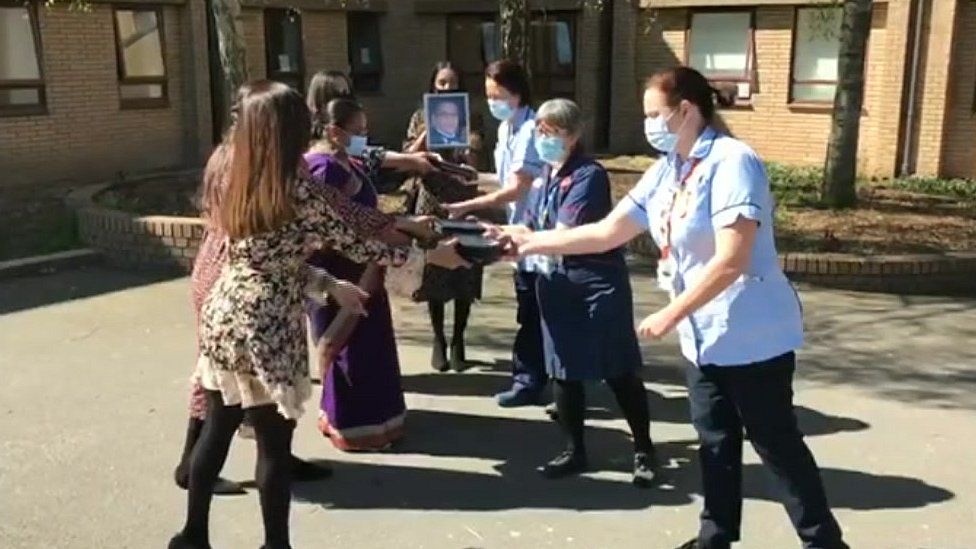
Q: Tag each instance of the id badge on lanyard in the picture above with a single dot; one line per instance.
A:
(547, 264)
(667, 267)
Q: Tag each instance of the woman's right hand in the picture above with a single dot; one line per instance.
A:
(349, 296)
(457, 210)
(445, 255)
(420, 227)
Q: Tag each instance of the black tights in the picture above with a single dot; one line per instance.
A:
(272, 473)
(461, 311)
(628, 390)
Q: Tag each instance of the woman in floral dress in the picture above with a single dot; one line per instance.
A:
(253, 357)
(211, 258)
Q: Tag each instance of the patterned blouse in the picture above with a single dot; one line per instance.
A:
(252, 323)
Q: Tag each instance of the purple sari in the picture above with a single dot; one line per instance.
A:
(362, 400)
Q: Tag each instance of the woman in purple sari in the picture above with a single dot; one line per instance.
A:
(362, 398)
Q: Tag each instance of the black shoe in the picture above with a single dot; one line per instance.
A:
(565, 464)
(515, 398)
(646, 470)
(552, 412)
(179, 541)
(438, 359)
(690, 544)
(222, 486)
(305, 471)
(458, 362)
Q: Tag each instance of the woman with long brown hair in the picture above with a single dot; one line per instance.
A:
(253, 358)
(211, 258)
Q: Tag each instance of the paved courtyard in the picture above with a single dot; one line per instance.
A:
(94, 365)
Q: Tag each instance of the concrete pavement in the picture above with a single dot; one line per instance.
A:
(92, 410)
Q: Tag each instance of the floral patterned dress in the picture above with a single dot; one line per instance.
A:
(252, 330)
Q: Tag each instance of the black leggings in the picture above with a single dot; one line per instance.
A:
(628, 390)
(272, 473)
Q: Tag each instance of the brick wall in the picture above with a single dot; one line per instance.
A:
(777, 130)
(324, 38)
(935, 86)
(252, 24)
(142, 242)
(960, 131)
(86, 135)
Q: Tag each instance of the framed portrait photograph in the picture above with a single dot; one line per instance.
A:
(448, 119)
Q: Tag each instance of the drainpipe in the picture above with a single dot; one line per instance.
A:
(912, 84)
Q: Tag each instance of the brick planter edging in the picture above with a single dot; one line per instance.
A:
(153, 242)
(171, 242)
(950, 273)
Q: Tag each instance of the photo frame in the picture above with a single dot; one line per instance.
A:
(448, 120)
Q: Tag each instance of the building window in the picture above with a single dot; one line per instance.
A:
(472, 43)
(21, 79)
(816, 47)
(283, 44)
(365, 51)
(139, 50)
(554, 56)
(720, 46)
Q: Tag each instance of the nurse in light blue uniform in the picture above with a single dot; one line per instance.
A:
(517, 165)
(709, 208)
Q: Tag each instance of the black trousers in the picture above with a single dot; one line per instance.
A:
(528, 361)
(758, 398)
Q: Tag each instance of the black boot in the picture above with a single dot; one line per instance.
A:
(570, 462)
(180, 541)
(462, 309)
(181, 474)
(438, 359)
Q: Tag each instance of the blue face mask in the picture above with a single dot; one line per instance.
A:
(658, 135)
(357, 145)
(501, 110)
(551, 148)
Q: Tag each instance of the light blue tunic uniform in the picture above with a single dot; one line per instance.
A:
(759, 316)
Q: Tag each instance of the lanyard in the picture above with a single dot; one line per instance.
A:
(548, 198)
(669, 211)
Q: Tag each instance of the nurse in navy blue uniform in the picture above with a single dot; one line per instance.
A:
(585, 301)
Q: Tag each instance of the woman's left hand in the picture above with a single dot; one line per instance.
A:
(657, 325)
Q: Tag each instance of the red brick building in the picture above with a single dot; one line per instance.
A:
(126, 88)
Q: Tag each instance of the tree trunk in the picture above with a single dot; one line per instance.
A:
(840, 171)
(515, 31)
(230, 38)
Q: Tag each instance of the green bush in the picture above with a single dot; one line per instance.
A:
(794, 185)
(955, 188)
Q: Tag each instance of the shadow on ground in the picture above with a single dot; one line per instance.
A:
(20, 294)
(485, 379)
(518, 446)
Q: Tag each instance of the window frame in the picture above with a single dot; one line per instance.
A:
(572, 18)
(270, 56)
(790, 98)
(378, 74)
(481, 19)
(41, 107)
(750, 75)
(123, 79)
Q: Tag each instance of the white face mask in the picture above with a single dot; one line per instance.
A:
(658, 135)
